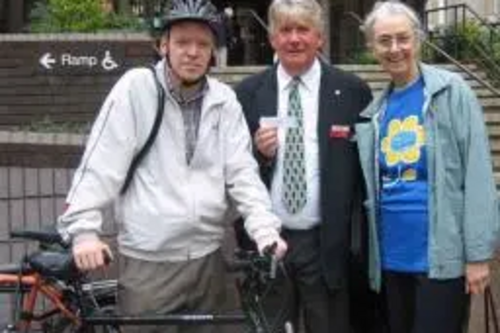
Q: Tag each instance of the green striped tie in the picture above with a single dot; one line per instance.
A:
(294, 169)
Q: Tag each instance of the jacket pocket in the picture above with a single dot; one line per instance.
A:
(450, 228)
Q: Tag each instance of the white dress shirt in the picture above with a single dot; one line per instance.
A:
(309, 216)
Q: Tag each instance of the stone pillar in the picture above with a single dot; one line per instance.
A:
(15, 15)
(326, 11)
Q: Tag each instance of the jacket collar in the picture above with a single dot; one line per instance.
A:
(212, 91)
(435, 80)
(267, 91)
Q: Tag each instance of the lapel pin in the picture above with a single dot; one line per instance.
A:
(337, 92)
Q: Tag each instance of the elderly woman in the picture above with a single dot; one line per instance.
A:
(432, 203)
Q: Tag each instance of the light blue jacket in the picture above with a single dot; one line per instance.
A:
(463, 209)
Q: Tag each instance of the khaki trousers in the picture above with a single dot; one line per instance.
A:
(194, 286)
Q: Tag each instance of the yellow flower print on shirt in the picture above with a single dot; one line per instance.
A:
(403, 141)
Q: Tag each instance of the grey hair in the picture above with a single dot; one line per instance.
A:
(389, 8)
(308, 10)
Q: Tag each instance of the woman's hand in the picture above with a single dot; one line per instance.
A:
(477, 277)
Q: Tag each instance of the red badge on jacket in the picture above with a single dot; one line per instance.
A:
(340, 132)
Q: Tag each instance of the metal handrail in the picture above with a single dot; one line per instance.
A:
(466, 9)
(463, 67)
(256, 16)
(355, 45)
(491, 63)
(483, 58)
(469, 9)
(436, 48)
(356, 17)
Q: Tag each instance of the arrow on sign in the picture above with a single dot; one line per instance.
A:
(47, 61)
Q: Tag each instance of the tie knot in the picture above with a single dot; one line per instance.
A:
(294, 84)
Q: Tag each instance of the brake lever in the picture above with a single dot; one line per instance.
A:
(107, 258)
(269, 252)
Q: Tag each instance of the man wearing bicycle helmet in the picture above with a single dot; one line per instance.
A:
(172, 217)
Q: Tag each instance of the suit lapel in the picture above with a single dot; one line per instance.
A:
(328, 110)
(267, 96)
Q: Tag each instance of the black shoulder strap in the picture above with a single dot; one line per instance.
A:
(152, 135)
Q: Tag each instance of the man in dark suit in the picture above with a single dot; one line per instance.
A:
(301, 114)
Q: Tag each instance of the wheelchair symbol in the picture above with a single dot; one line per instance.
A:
(108, 62)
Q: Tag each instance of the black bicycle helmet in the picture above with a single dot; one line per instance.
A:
(192, 10)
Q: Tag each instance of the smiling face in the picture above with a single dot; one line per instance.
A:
(296, 42)
(396, 46)
(189, 48)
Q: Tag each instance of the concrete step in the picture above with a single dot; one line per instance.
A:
(497, 178)
(373, 74)
(382, 76)
(379, 85)
(492, 118)
(346, 67)
(494, 131)
(495, 147)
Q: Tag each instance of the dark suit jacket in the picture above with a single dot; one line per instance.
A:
(342, 97)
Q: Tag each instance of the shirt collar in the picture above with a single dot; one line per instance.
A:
(308, 79)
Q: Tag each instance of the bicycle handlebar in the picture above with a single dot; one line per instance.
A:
(44, 237)
(253, 262)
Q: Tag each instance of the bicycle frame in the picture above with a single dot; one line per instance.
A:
(249, 290)
(168, 319)
(66, 290)
(36, 286)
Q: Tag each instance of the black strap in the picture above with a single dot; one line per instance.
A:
(152, 135)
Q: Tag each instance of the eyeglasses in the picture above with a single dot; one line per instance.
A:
(386, 42)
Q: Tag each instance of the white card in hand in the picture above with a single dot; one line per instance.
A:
(269, 122)
(283, 122)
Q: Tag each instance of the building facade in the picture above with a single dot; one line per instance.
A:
(445, 12)
(249, 22)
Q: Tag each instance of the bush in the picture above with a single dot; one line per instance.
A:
(462, 40)
(49, 16)
(364, 57)
(47, 125)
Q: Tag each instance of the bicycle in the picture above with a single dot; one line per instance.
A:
(50, 274)
(80, 305)
(255, 281)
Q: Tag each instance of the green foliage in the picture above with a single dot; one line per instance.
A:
(469, 42)
(363, 57)
(462, 41)
(49, 16)
(47, 125)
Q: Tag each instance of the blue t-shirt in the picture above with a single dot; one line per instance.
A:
(404, 212)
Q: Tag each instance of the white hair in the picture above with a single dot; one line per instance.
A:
(308, 10)
(391, 8)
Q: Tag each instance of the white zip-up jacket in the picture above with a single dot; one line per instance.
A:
(172, 211)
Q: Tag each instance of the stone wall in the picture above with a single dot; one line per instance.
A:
(63, 77)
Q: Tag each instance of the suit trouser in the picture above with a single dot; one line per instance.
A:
(196, 285)
(417, 304)
(301, 292)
